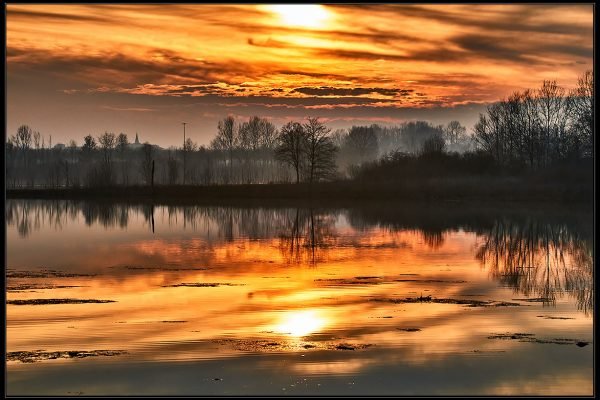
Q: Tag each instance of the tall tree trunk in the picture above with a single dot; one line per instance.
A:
(152, 177)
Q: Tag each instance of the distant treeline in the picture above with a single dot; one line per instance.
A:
(540, 127)
(530, 130)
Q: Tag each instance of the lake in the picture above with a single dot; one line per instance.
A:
(374, 299)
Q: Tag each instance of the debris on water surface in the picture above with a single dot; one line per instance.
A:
(511, 336)
(55, 301)
(536, 300)
(203, 284)
(275, 346)
(430, 299)
(44, 273)
(376, 280)
(530, 337)
(552, 317)
(39, 355)
(23, 287)
(346, 346)
(166, 269)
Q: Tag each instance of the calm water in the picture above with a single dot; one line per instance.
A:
(374, 300)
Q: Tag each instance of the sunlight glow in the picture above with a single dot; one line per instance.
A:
(302, 15)
(300, 323)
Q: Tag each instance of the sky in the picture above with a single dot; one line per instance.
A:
(74, 70)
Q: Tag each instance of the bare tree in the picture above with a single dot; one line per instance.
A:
(292, 145)
(36, 139)
(107, 142)
(320, 151)
(339, 137)
(454, 132)
(268, 137)
(534, 128)
(89, 144)
(23, 137)
(226, 139)
(72, 150)
(189, 146)
(173, 171)
(146, 164)
(23, 142)
(250, 134)
(121, 145)
(122, 142)
(433, 145)
(361, 143)
(583, 110)
(553, 113)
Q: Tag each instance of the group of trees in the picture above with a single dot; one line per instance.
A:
(533, 129)
(244, 151)
(100, 161)
(308, 149)
(540, 127)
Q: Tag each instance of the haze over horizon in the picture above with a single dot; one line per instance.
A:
(74, 70)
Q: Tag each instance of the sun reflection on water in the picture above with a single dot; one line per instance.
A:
(301, 323)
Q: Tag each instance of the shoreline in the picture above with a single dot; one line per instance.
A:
(505, 191)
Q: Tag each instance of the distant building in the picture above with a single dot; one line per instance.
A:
(138, 146)
(135, 145)
(59, 146)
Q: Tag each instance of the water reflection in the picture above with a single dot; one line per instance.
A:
(541, 259)
(300, 323)
(306, 235)
(537, 257)
(336, 291)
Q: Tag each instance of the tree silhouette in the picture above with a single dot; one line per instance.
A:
(146, 165)
(583, 108)
(89, 144)
(539, 128)
(454, 132)
(434, 145)
(122, 142)
(226, 139)
(320, 151)
(291, 148)
(361, 143)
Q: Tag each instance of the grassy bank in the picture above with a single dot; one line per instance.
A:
(493, 189)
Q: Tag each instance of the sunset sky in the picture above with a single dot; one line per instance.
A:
(74, 70)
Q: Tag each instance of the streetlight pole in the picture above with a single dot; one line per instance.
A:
(184, 150)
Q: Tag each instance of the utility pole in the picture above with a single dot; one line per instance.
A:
(184, 151)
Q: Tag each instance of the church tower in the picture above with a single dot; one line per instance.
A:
(137, 141)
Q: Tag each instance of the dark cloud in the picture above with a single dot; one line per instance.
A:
(333, 91)
(324, 75)
(489, 47)
(39, 15)
(268, 43)
(369, 34)
(439, 55)
(503, 48)
(519, 18)
(109, 69)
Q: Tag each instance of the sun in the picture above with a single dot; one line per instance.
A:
(301, 15)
